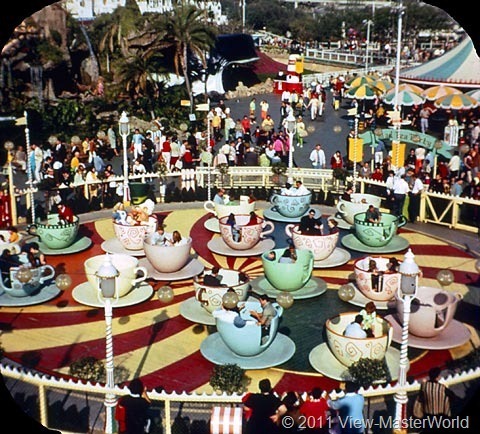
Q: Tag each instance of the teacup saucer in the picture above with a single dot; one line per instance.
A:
(361, 300)
(193, 268)
(85, 294)
(313, 288)
(338, 257)
(454, 335)
(113, 245)
(45, 294)
(280, 351)
(274, 215)
(77, 246)
(323, 361)
(396, 244)
(217, 245)
(212, 225)
(342, 224)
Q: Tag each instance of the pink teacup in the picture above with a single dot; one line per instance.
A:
(322, 246)
(131, 236)
(250, 235)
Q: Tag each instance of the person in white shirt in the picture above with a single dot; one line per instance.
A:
(454, 165)
(415, 196)
(317, 157)
(300, 189)
(354, 329)
(400, 191)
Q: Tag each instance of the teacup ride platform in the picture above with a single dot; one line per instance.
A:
(341, 223)
(378, 237)
(326, 254)
(333, 358)
(207, 298)
(85, 294)
(243, 344)
(432, 325)
(55, 238)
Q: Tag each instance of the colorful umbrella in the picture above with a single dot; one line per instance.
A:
(363, 92)
(475, 94)
(383, 85)
(458, 101)
(363, 79)
(410, 87)
(405, 98)
(435, 92)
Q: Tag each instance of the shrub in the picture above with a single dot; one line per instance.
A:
(366, 372)
(229, 378)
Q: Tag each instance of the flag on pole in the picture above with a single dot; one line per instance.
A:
(21, 121)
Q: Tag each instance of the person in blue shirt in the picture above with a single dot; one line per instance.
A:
(350, 408)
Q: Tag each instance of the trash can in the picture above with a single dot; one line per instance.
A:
(226, 420)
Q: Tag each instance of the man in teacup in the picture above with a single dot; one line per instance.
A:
(219, 197)
(309, 225)
(373, 215)
(264, 318)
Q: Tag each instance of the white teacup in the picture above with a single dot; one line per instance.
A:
(237, 207)
(167, 258)
(250, 235)
(131, 236)
(39, 276)
(388, 283)
(322, 246)
(349, 350)
(126, 265)
(246, 339)
(358, 204)
(210, 297)
(431, 311)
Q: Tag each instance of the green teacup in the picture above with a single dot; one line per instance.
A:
(288, 276)
(53, 234)
(377, 234)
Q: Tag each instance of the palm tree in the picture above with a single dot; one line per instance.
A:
(188, 34)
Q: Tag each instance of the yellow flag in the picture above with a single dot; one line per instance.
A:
(21, 121)
(398, 153)
(355, 149)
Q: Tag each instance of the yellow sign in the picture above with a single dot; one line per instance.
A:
(398, 153)
(184, 103)
(202, 107)
(299, 65)
(355, 149)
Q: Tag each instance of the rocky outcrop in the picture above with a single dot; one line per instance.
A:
(242, 91)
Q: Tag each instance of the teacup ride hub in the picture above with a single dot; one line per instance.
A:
(207, 299)
(376, 237)
(334, 357)
(169, 263)
(239, 339)
(432, 323)
(56, 237)
(295, 277)
(326, 254)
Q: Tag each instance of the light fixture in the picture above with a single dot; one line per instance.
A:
(124, 124)
(106, 275)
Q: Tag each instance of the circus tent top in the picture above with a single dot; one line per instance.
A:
(458, 67)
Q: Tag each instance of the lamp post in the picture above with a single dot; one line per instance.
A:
(367, 47)
(291, 127)
(409, 272)
(9, 145)
(106, 277)
(124, 129)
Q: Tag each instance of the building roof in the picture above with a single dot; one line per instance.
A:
(458, 67)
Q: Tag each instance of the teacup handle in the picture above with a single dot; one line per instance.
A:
(267, 224)
(140, 279)
(402, 221)
(341, 208)
(307, 270)
(209, 206)
(288, 230)
(199, 296)
(271, 336)
(48, 276)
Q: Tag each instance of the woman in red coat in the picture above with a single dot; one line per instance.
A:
(336, 162)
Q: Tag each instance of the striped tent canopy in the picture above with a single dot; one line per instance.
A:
(405, 98)
(458, 67)
(475, 93)
(435, 92)
(456, 102)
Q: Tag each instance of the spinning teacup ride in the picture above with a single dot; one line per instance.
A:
(169, 262)
(245, 238)
(346, 210)
(242, 206)
(294, 276)
(130, 285)
(432, 323)
(324, 247)
(58, 237)
(209, 298)
(334, 357)
(241, 340)
(376, 237)
(375, 280)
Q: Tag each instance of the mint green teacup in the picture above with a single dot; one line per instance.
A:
(288, 276)
(291, 206)
(377, 234)
(53, 234)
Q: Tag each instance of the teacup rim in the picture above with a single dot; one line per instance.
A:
(293, 195)
(329, 320)
(372, 257)
(76, 222)
(296, 228)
